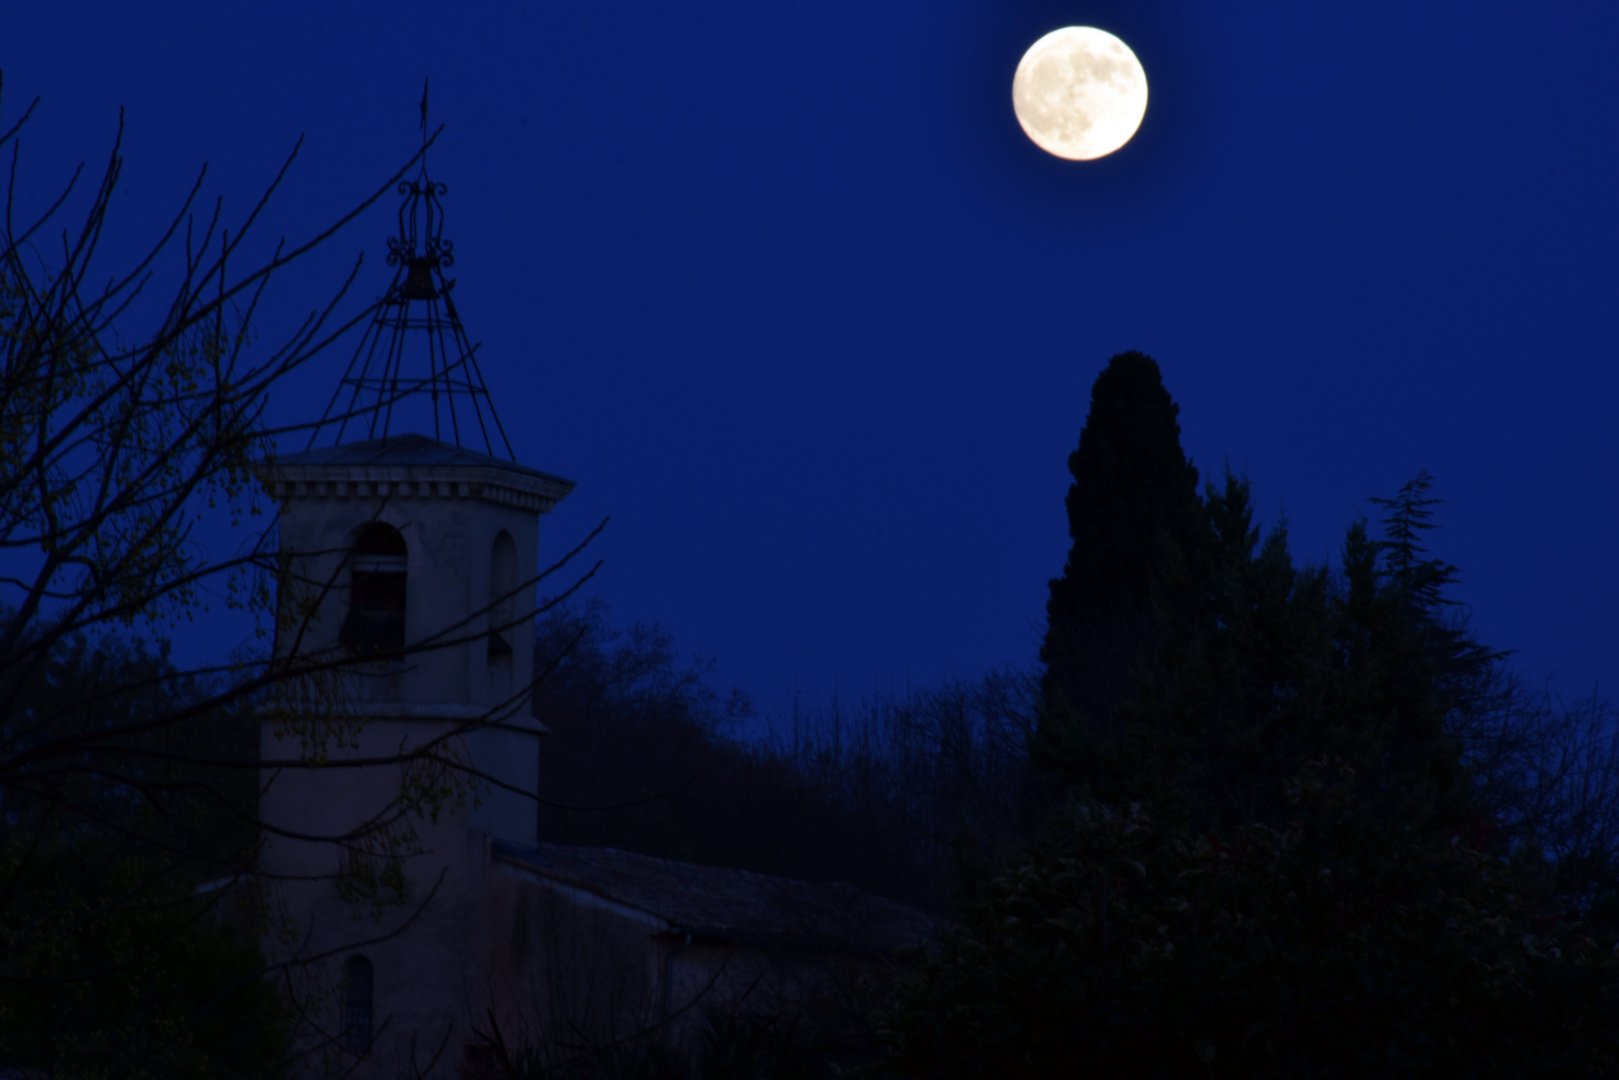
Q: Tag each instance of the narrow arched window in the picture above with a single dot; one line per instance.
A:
(502, 584)
(376, 618)
(356, 1035)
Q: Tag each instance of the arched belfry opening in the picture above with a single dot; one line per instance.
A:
(502, 611)
(378, 580)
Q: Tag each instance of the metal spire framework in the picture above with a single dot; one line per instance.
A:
(418, 308)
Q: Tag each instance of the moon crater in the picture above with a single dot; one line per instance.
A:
(1080, 93)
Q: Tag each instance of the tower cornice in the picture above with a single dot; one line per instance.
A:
(410, 467)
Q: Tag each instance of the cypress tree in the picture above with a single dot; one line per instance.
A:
(1138, 532)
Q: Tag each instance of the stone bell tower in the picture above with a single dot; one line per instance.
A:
(409, 568)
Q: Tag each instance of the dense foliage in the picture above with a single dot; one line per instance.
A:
(115, 968)
(122, 950)
(1271, 857)
(1326, 948)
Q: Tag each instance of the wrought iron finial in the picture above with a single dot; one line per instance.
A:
(420, 246)
(417, 308)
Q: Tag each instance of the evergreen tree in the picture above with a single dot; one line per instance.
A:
(1135, 522)
(1271, 863)
(1272, 871)
(1464, 669)
(1271, 666)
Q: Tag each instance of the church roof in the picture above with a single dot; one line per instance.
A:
(734, 905)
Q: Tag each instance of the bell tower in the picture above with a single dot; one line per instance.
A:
(409, 566)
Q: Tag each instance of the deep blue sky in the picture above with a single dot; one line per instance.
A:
(790, 295)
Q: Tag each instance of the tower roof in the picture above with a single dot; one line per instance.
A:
(411, 466)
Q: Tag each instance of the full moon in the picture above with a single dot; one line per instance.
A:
(1080, 93)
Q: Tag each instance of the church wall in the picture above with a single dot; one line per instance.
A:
(422, 946)
(566, 970)
(571, 968)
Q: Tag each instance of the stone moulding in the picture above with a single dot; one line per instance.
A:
(407, 482)
(411, 467)
(448, 712)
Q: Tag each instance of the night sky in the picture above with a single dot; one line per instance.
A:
(789, 294)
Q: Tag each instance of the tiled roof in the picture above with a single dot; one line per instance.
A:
(736, 905)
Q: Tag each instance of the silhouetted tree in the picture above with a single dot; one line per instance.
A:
(1545, 778)
(1283, 871)
(1138, 534)
(648, 757)
(1280, 665)
(939, 770)
(1276, 861)
(643, 755)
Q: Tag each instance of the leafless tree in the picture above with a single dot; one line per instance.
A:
(132, 405)
(1546, 769)
(934, 769)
